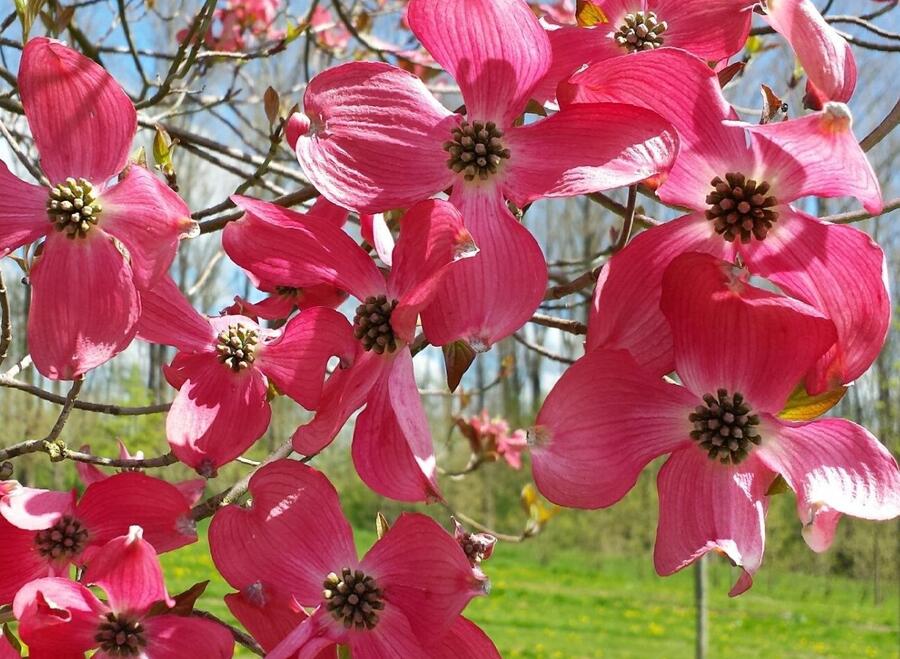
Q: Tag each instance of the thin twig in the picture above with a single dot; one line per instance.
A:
(858, 216)
(581, 282)
(883, 129)
(570, 326)
(542, 351)
(627, 220)
(101, 408)
(244, 639)
(5, 321)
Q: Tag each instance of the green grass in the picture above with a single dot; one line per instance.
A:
(547, 604)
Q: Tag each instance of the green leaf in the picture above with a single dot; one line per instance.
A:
(28, 10)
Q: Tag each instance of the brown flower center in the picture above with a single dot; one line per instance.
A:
(353, 598)
(741, 208)
(724, 428)
(65, 539)
(73, 207)
(641, 30)
(120, 636)
(476, 150)
(237, 346)
(372, 324)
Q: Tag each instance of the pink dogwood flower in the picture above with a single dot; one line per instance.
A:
(44, 531)
(378, 140)
(62, 618)
(740, 181)
(392, 448)
(739, 353)
(402, 599)
(224, 367)
(85, 306)
(284, 300)
(713, 30)
(491, 439)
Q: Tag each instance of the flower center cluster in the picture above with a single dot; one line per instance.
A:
(476, 150)
(73, 207)
(120, 636)
(288, 291)
(353, 598)
(741, 208)
(372, 324)
(64, 539)
(724, 428)
(641, 30)
(237, 346)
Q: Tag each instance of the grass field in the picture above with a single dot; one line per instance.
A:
(547, 604)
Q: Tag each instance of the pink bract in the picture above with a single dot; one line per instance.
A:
(416, 579)
(739, 352)
(392, 448)
(712, 30)
(224, 366)
(378, 140)
(62, 618)
(837, 269)
(30, 517)
(85, 302)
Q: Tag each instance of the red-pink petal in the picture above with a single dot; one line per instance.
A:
(602, 423)
(571, 48)
(169, 319)
(839, 270)
(432, 237)
(82, 121)
(268, 616)
(704, 505)
(625, 313)
(314, 637)
(465, 640)
(293, 534)
(375, 231)
(34, 509)
(585, 148)
(487, 298)
(392, 449)
(23, 216)
(667, 81)
(375, 138)
(84, 305)
(7, 651)
(283, 246)
(128, 571)
(824, 54)
(344, 393)
(495, 49)
(327, 210)
(392, 638)
(57, 617)
(20, 561)
(803, 170)
(710, 29)
(218, 414)
(835, 467)
(176, 637)
(297, 360)
(424, 573)
(149, 218)
(110, 507)
(728, 334)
